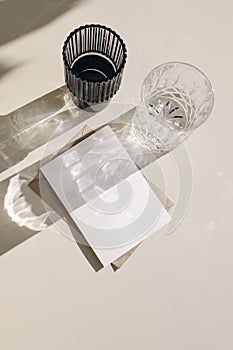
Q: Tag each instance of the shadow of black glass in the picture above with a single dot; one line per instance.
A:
(33, 125)
(20, 17)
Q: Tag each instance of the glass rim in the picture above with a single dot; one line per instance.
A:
(76, 30)
(181, 63)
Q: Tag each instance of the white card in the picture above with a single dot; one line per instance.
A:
(105, 194)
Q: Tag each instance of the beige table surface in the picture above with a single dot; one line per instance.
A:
(176, 291)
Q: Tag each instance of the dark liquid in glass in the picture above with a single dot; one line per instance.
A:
(93, 68)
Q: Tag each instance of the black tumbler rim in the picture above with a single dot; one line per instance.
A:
(76, 30)
(91, 39)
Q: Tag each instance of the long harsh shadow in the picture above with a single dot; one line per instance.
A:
(19, 17)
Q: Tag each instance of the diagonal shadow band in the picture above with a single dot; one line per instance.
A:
(20, 17)
(30, 126)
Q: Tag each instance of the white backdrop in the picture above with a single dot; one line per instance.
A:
(176, 291)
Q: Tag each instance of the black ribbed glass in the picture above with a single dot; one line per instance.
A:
(94, 58)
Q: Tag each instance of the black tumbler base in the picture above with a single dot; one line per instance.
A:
(88, 106)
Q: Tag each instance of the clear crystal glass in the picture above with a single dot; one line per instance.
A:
(176, 99)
